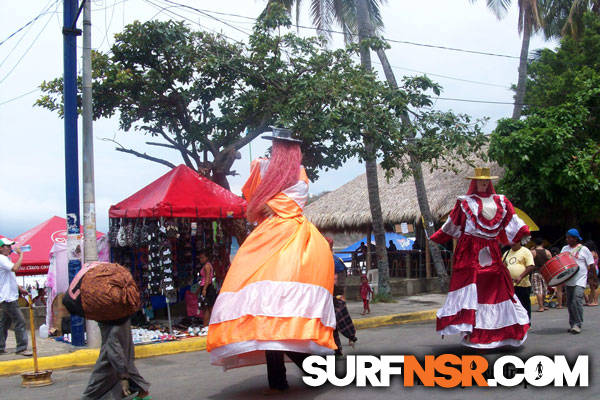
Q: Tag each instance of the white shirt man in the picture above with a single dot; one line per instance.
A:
(575, 286)
(9, 289)
(584, 258)
(9, 294)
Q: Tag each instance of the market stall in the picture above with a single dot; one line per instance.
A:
(160, 231)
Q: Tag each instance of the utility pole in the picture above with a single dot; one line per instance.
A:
(90, 247)
(70, 33)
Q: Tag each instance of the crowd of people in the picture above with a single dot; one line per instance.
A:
(524, 266)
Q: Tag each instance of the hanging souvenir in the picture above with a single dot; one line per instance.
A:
(137, 233)
(129, 233)
(112, 232)
(144, 233)
(121, 239)
(171, 230)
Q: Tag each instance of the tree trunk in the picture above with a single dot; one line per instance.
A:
(436, 255)
(362, 15)
(422, 199)
(522, 82)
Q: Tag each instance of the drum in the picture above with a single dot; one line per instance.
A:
(559, 269)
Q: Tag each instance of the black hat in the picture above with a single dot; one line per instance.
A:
(283, 134)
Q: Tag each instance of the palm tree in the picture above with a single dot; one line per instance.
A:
(565, 17)
(529, 23)
(361, 19)
(366, 30)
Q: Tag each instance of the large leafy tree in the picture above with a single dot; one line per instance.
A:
(206, 97)
(552, 157)
(529, 22)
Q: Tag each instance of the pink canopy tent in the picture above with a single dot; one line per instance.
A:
(42, 238)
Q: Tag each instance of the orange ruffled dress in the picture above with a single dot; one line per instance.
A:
(277, 294)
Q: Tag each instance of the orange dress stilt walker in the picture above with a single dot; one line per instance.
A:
(277, 294)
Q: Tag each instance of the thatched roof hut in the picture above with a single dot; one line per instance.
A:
(347, 208)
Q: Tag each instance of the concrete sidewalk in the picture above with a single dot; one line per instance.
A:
(56, 355)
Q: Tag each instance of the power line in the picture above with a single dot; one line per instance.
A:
(16, 45)
(205, 11)
(478, 101)
(395, 67)
(107, 25)
(26, 51)
(166, 9)
(29, 23)
(106, 7)
(449, 77)
(207, 14)
(19, 96)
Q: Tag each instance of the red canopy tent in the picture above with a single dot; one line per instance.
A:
(41, 238)
(181, 193)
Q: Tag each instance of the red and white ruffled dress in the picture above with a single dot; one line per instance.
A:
(481, 303)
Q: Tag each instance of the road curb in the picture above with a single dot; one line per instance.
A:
(87, 357)
(394, 319)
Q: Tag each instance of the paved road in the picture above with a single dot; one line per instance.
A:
(420, 302)
(189, 376)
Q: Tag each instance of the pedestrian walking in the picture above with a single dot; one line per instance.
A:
(591, 300)
(9, 296)
(344, 323)
(540, 257)
(115, 375)
(519, 262)
(575, 286)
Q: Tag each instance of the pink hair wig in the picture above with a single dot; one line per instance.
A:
(283, 172)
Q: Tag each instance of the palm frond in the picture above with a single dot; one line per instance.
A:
(574, 20)
(529, 9)
(498, 7)
(321, 12)
(554, 14)
(298, 4)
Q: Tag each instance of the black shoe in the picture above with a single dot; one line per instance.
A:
(274, 391)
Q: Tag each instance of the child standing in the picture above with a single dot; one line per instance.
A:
(365, 294)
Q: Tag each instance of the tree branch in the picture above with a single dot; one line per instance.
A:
(138, 154)
(252, 133)
(168, 146)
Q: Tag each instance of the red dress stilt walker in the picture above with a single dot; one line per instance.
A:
(481, 304)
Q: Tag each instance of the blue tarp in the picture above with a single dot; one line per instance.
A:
(401, 242)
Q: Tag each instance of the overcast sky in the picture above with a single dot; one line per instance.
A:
(32, 150)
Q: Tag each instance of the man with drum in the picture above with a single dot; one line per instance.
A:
(576, 284)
